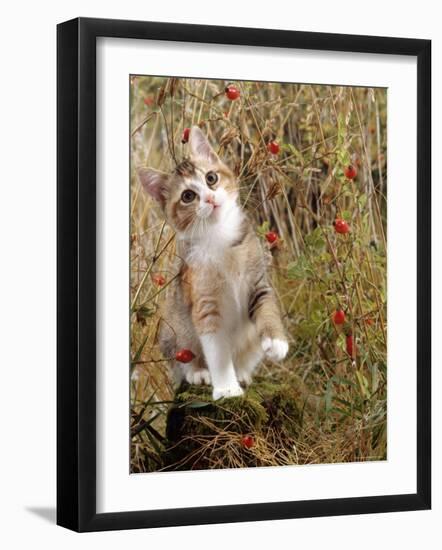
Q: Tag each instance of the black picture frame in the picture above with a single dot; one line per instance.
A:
(76, 273)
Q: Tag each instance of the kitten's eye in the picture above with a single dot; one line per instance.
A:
(211, 178)
(188, 195)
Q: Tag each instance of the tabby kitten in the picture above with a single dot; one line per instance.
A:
(221, 306)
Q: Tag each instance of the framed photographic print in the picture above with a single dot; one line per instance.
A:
(243, 274)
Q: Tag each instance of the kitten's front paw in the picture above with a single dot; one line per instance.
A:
(233, 391)
(274, 348)
(197, 376)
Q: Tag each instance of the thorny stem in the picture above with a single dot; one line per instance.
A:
(370, 176)
(152, 263)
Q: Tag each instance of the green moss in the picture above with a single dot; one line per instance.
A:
(280, 403)
(202, 433)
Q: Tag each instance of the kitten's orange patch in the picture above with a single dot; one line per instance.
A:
(182, 216)
(227, 179)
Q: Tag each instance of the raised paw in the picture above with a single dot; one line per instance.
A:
(197, 377)
(275, 348)
(233, 391)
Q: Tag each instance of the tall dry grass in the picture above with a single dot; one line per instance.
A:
(297, 193)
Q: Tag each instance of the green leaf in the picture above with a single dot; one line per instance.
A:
(196, 404)
(325, 258)
(145, 311)
(340, 411)
(291, 149)
(315, 239)
(342, 130)
(264, 228)
(363, 384)
(306, 329)
(344, 381)
(346, 215)
(299, 269)
(341, 343)
(347, 192)
(374, 378)
(362, 200)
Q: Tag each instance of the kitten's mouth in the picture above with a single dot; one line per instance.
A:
(211, 214)
(215, 207)
(215, 210)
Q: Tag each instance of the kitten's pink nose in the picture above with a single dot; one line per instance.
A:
(211, 200)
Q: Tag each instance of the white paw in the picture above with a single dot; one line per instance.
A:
(197, 376)
(274, 348)
(233, 391)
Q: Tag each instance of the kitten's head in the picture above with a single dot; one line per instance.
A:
(202, 190)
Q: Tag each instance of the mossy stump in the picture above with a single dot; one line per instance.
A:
(256, 429)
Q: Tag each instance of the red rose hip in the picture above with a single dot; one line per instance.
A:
(350, 345)
(232, 92)
(159, 279)
(350, 172)
(341, 226)
(338, 317)
(271, 237)
(247, 441)
(273, 147)
(185, 136)
(184, 355)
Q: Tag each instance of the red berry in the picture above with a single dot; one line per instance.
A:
(184, 355)
(350, 172)
(369, 321)
(232, 92)
(248, 441)
(338, 317)
(158, 279)
(273, 147)
(148, 100)
(349, 345)
(271, 236)
(341, 226)
(185, 136)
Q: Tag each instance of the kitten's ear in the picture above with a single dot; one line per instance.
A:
(154, 183)
(200, 147)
